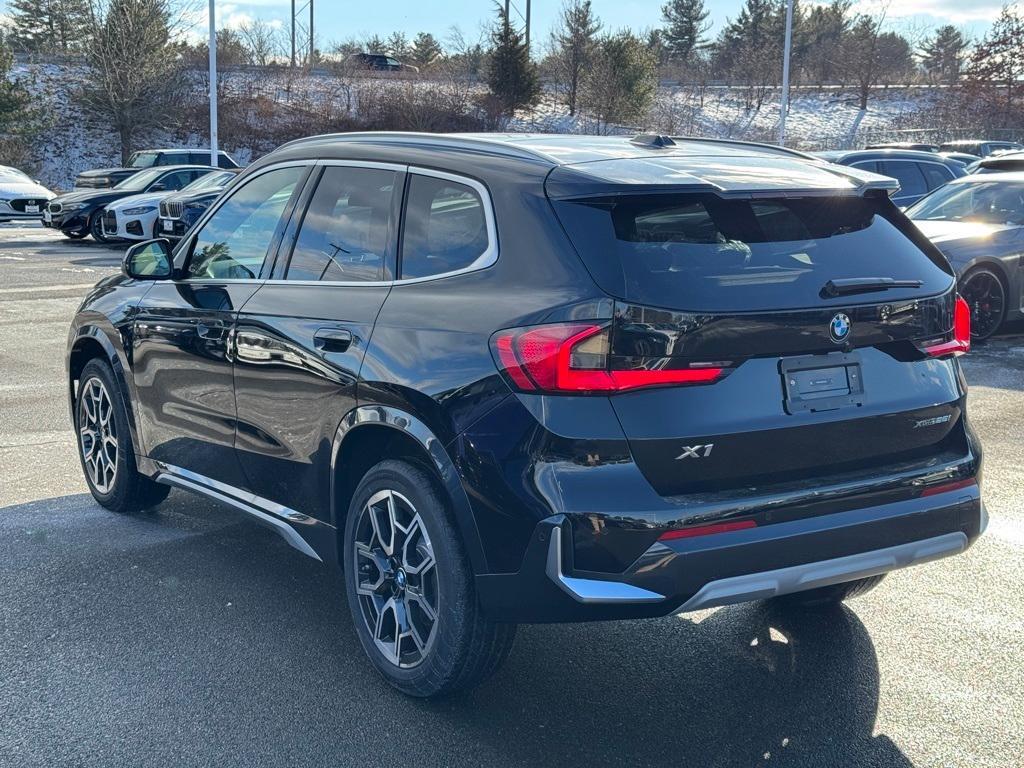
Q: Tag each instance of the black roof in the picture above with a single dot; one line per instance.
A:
(591, 163)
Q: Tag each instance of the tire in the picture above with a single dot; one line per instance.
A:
(985, 293)
(830, 596)
(96, 228)
(105, 447)
(426, 571)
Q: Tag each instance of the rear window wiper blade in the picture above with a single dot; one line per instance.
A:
(851, 285)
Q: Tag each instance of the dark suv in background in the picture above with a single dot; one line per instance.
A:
(104, 178)
(505, 379)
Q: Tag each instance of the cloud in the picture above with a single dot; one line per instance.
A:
(952, 11)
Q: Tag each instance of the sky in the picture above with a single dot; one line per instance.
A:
(336, 20)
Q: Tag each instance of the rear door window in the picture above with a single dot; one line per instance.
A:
(936, 175)
(912, 183)
(345, 234)
(445, 228)
(702, 252)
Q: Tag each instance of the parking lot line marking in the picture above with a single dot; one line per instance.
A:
(46, 288)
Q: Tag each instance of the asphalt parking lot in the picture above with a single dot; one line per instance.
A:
(188, 636)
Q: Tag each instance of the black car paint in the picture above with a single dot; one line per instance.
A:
(512, 463)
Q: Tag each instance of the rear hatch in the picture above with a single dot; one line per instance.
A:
(812, 316)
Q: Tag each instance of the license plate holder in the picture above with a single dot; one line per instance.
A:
(167, 225)
(31, 209)
(826, 382)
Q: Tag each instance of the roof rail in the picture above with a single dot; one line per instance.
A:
(764, 146)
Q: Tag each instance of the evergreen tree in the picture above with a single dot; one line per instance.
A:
(398, 46)
(511, 77)
(376, 44)
(994, 75)
(686, 22)
(942, 55)
(574, 41)
(425, 50)
(622, 82)
(20, 117)
(48, 26)
(824, 27)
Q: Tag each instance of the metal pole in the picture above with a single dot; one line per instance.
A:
(527, 28)
(784, 107)
(213, 86)
(507, 20)
(312, 50)
(293, 35)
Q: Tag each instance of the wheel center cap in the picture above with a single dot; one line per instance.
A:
(400, 579)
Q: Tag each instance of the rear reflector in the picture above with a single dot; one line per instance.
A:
(574, 358)
(706, 530)
(961, 341)
(947, 487)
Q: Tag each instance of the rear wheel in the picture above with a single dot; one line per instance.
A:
(105, 444)
(985, 294)
(826, 597)
(410, 586)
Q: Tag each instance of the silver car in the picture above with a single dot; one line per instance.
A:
(978, 223)
(21, 198)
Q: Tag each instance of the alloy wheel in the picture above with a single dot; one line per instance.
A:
(97, 434)
(396, 578)
(984, 294)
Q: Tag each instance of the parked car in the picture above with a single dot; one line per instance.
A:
(557, 396)
(179, 211)
(135, 217)
(980, 148)
(961, 157)
(917, 172)
(912, 145)
(105, 178)
(21, 198)
(79, 214)
(1006, 161)
(978, 223)
(379, 62)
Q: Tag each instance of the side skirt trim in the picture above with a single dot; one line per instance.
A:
(263, 511)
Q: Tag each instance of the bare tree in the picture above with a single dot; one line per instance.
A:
(265, 43)
(134, 83)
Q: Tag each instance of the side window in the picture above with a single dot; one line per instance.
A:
(345, 232)
(173, 158)
(233, 243)
(909, 176)
(445, 227)
(176, 180)
(935, 175)
(866, 165)
(223, 161)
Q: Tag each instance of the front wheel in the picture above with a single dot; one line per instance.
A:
(96, 228)
(76, 235)
(410, 586)
(985, 294)
(105, 444)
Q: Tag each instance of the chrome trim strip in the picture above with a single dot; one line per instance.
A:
(592, 590)
(797, 578)
(268, 513)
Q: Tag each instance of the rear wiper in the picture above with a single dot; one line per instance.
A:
(851, 285)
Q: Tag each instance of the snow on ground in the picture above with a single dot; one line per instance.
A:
(818, 119)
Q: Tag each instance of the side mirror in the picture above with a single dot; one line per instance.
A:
(150, 260)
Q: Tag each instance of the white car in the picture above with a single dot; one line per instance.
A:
(21, 198)
(135, 217)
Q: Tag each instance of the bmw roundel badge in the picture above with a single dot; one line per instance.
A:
(839, 328)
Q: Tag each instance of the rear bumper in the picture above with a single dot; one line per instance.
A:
(720, 569)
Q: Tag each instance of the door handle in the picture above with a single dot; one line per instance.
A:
(332, 339)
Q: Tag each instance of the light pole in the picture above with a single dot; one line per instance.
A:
(784, 107)
(213, 87)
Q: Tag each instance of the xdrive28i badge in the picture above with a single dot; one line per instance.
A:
(839, 328)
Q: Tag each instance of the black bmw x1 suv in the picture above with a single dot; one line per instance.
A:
(504, 379)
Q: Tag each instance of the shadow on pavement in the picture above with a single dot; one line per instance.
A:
(186, 635)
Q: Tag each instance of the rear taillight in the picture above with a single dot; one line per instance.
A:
(961, 342)
(574, 358)
(707, 530)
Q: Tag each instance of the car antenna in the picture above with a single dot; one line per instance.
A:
(652, 140)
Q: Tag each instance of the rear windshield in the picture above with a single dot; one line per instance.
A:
(701, 252)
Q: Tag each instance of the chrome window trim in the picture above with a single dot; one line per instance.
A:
(487, 259)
